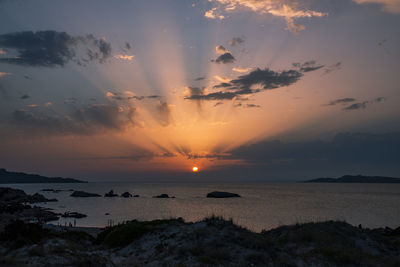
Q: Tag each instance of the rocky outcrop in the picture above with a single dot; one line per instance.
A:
(13, 206)
(84, 194)
(219, 194)
(11, 195)
(110, 194)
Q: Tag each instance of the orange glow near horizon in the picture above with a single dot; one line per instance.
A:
(195, 169)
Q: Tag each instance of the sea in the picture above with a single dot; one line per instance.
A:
(262, 206)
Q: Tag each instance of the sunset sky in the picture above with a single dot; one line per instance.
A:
(246, 90)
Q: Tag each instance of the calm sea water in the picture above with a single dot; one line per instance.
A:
(262, 205)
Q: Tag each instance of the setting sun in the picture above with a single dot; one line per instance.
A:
(195, 169)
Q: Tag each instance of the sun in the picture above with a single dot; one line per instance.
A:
(195, 169)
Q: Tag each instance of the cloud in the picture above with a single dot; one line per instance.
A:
(253, 106)
(222, 79)
(341, 101)
(200, 78)
(346, 152)
(52, 48)
(124, 57)
(3, 74)
(218, 104)
(391, 6)
(241, 70)
(256, 81)
(333, 67)
(163, 113)
(267, 79)
(88, 120)
(213, 96)
(286, 9)
(225, 58)
(213, 14)
(221, 50)
(236, 41)
(308, 66)
(364, 104)
(128, 96)
(25, 97)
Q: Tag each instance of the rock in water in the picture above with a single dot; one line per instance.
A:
(162, 196)
(218, 194)
(110, 194)
(83, 194)
(126, 195)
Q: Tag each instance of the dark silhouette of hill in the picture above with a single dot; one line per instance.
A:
(7, 177)
(356, 179)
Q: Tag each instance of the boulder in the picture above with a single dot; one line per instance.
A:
(126, 195)
(83, 194)
(219, 194)
(110, 194)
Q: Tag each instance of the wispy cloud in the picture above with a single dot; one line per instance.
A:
(391, 6)
(286, 9)
(241, 70)
(124, 57)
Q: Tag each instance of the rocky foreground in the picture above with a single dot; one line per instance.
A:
(210, 242)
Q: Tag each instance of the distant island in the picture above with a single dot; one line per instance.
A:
(356, 179)
(7, 177)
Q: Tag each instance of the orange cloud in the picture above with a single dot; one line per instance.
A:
(279, 8)
(391, 6)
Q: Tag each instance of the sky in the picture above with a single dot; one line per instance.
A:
(246, 90)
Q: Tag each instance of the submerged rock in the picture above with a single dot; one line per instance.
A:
(110, 194)
(126, 195)
(84, 194)
(219, 194)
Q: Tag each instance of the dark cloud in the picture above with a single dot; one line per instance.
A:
(127, 45)
(346, 153)
(119, 97)
(356, 106)
(25, 97)
(218, 103)
(52, 48)
(27, 77)
(163, 113)
(213, 96)
(223, 85)
(200, 78)
(267, 79)
(308, 66)
(88, 120)
(236, 41)
(225, 59)
(253, 106)
(341, 101)
(364, 104)
(334, 67)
